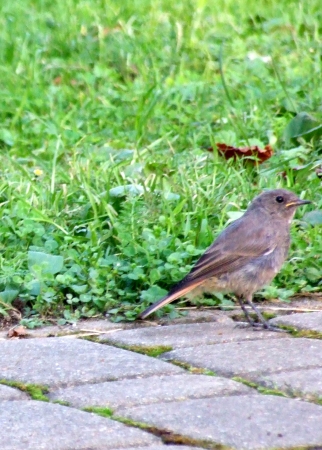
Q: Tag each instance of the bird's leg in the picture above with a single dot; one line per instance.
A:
(258, 313)
(263, 322)
(250, 320)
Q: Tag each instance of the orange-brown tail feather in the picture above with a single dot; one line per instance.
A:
(167, 299)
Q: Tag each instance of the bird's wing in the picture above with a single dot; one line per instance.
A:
(234, 247)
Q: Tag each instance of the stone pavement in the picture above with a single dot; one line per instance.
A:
(213, 384)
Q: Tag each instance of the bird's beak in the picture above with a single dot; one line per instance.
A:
(298, 202)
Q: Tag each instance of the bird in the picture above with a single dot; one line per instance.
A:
(244, 257)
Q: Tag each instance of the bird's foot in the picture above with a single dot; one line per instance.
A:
(262, 322)
(258, 326)
(270, 327)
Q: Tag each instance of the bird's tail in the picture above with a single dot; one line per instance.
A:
(167, 299)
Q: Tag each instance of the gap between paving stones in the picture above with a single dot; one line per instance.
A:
(31, 391)
(263, 387)
(306, 381)
(188, 335)
(152, 390)
(242, 422)
(153, 351)
(165, 435)
(259, 387)
(62, 362)
(36, 349)
(169, 437)
(305, 321)
(38, 425)
(253, 358)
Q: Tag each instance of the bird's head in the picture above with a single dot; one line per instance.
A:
(279, 203)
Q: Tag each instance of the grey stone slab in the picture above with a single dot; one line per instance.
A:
(309, 302)
(164, 447)
(241, 422)
(305, 383)
(81, 327)
(65, 361)
(149, 390)
(302, 321)
(253, 358)
(196, 315)
(39, 425)
(89, 327)
(9, 393)
(188, 335)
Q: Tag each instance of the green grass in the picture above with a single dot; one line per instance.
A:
(104, 412)
(36, 391)
(96, 96)
(153, 351)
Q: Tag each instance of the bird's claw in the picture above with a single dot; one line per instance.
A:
(258, 326)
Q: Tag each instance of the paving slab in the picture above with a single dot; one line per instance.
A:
(91, 326)
(31, 425)
(65, 361)
(302, 321)
(253, 358)
(304, 383)
(81, 327)
(143, 391)
(9, 393)
(196, 315)
(188, 335)
(164, 447)
(239, 422)
(310, 301)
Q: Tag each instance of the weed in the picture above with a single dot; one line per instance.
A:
(152, 351)
(36, 392)
(104, 412)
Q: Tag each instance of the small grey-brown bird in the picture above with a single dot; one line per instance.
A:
(245, 257)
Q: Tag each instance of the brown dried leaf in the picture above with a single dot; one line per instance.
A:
(228, 151)
(17, 332)
(58, 80)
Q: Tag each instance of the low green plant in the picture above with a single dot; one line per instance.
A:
(36, 391)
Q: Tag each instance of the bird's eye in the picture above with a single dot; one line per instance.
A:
(279, 199)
